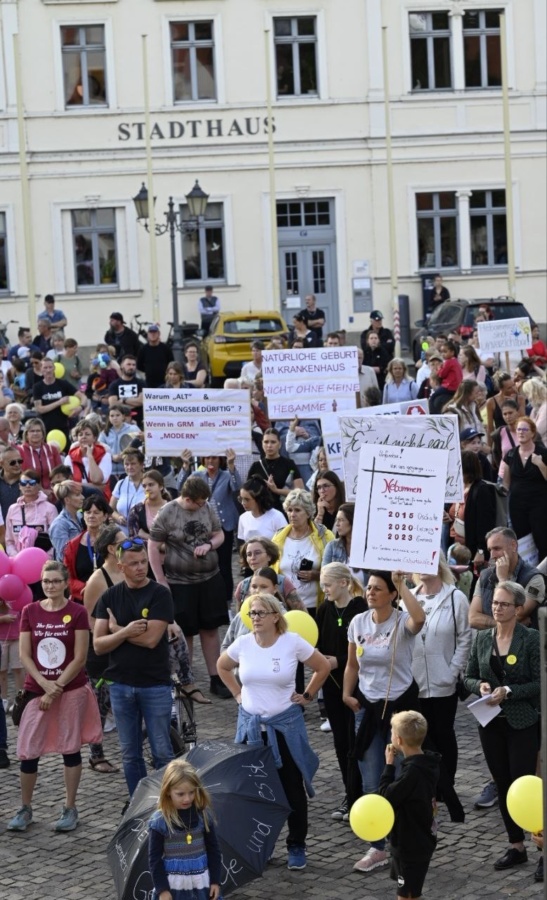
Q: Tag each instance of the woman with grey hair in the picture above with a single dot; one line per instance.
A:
(15, 415)
(504, 668)
(301, 547)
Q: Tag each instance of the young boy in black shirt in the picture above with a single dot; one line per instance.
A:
(412, 795)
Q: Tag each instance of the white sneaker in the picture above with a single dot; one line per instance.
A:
(372, 859)
(325, 726)
(109, 723)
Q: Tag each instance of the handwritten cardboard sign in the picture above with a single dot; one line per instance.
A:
(207, 422)
(399, 505)
(505, 334)
(310, 382)
(405, 408)
(419, 432)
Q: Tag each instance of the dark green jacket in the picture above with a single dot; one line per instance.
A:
(522, 676)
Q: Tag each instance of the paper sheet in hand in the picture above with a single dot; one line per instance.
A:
(399, 509)
(482, 711)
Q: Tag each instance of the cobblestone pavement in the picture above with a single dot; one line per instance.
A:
(42, 865)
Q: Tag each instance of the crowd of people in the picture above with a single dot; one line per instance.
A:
(142, 551)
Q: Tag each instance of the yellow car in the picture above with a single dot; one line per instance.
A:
(228, 344)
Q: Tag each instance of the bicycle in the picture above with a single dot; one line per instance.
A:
(140, 328)
(183, 728)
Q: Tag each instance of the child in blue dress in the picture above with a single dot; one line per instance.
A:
(183, 848)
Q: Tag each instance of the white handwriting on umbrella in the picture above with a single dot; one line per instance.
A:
(264, 790)
(230, 871)
(256, 841)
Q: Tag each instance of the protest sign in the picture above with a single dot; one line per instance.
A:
(330, 429)
(421, 432)
(504, 334)
(310, 382)
(405, 408)
(399, 505)
(207, 422)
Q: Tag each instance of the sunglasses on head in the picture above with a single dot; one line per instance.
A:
(28, 482)
(131, 544)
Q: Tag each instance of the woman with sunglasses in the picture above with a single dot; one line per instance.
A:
(269, 706)
(190, 529)
(37, 454)
(526, 478)
(328, 495)
(62, 714)
(31, 511)
(504, 666)
(81, 558)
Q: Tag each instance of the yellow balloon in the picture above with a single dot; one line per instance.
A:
(244, 613)
(525, 803)
(371, 817)
(59, 370)
(68, 408)
(57, 437)
(302, 623)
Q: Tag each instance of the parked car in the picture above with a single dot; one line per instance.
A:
(459, 315)
(228, 344)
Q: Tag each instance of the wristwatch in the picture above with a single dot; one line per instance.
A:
(508, 691)
(307, 696)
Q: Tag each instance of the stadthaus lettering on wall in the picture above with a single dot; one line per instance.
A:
(195, 129)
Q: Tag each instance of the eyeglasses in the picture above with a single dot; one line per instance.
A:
(28, 482)
(324, 487)
(519, 430)
(502, 605)
(260, 614)
(15, 462)
(48, 583)
(131, 544)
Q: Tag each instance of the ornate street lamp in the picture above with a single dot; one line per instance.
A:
(196, 201)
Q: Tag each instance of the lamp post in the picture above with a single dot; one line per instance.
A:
(197, 204)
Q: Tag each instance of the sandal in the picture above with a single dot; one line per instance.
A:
(192, 695)
(102, 765)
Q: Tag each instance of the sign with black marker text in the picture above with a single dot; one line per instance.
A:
(207, 422)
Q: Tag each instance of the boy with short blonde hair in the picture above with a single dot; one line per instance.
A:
(412, 795)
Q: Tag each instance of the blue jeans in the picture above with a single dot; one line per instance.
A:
(372, 766)
(131, 705)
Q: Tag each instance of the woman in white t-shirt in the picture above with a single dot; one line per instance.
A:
(379, 671)
(267, 660)
(260, 519)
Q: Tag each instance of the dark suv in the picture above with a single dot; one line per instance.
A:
(459, 315)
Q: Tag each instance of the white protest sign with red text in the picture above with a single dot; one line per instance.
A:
(207, 422)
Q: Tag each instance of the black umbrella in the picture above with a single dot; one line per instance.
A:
(250, 809)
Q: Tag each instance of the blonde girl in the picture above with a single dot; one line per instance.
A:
(343, 600)
(183, 848)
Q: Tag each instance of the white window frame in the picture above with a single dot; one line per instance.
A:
(74, 22)
(321, 44)
(457, 53)
(463, 192)
(8, 210)
(218, 56)
(229, 250)
(430, 56)
(126, 247)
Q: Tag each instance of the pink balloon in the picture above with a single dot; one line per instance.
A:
(11, 588)
(5, 564)
(24, 598)
(28, 564)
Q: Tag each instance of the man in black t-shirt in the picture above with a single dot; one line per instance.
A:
(153, 358)
(50, 394)
(128, 388)
(314, 317)
(131, 626)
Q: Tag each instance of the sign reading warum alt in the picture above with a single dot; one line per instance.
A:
(310, 382)
(207, 422)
